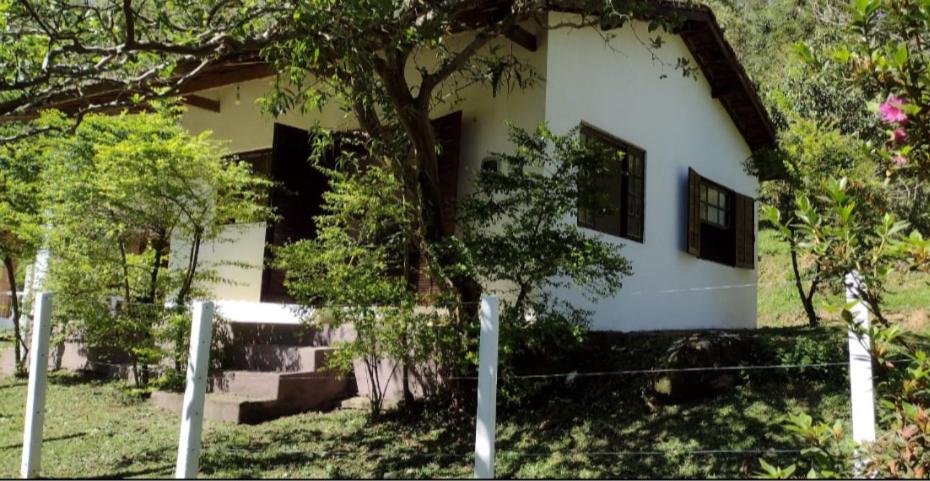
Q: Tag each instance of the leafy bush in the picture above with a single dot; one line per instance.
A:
(117, 192)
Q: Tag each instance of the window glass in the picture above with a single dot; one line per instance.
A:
(613, 201)
(713, 205)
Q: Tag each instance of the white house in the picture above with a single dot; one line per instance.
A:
(689, 223)
(686, 215)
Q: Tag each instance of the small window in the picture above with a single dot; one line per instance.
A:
(613, 202)
(721, 225)
(260, 160)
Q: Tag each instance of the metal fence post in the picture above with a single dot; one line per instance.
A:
(198, 363)
(486, 422)
(38, 380)
(862, 393)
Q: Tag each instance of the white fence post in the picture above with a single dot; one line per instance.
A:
(192, 410)
(38, 379)
(486, 422)
(862, 394)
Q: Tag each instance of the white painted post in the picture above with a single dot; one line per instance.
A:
(862, 394)
(192, 409)
(38, 379)
(486, 422)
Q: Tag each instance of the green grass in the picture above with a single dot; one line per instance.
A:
(779, 305)
(546, 429)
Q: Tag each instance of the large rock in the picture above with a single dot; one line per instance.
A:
(696, 352)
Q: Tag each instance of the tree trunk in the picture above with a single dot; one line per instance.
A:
(19, 345)
(807, 299)
(159, 244)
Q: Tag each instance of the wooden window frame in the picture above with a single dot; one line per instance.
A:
(586, 129)
(739, 217)
(727, 208)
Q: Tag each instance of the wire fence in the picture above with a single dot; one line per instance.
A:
(530, 453)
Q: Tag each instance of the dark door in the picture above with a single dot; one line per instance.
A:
(297, 199)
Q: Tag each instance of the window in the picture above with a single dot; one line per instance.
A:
(260, 160)
(721, 223)
(714, 205)
(613, 201)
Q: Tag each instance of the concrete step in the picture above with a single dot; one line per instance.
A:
(277, 358)
(248, 397)
(217, 406)
(246, 383)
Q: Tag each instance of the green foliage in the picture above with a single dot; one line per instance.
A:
(520, 242)
(514, 238)
(903, 451)
(810, 152)
(117, 192)
(357, 271)
(139, 50)
(20, 220)
(358, 54)
(829, 454)
(846, 229)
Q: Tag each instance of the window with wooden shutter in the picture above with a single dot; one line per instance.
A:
(297, 199)
(694, 213)
(448, 131)
(613, 202)
(721, 223)
(745, 232)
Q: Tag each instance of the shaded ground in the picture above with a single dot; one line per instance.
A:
(588, 427)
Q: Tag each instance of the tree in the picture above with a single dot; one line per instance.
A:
(811, 151)
(516, 235)
(823, 126)
(116, 54)
(887, 57)
(391, 64)
(118, 192)
(21, 221)
(354, 271)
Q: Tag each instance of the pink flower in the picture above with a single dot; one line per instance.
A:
(899, 160)
(891, 110)
(899, 136)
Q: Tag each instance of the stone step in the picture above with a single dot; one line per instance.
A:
(277, 358)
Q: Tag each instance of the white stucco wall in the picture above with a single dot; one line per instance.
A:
(235, 257)
(617, 88)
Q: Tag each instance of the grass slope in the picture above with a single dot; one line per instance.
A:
(779, 305)
(546, 429)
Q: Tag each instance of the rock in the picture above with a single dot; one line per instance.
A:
(702, 350)
(357, 402)
(363, 403)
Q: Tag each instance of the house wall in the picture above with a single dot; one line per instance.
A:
(618, 88)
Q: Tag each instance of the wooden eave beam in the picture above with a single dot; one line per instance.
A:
(523, 38)
(202, 102)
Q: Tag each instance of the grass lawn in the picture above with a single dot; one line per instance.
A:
(556, 430)
(587, 428)
(779, 305)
